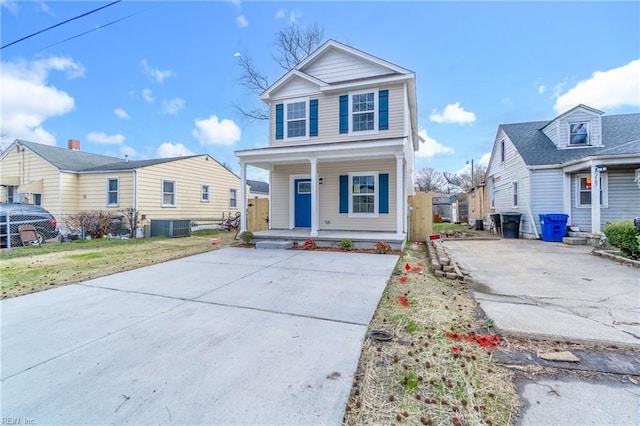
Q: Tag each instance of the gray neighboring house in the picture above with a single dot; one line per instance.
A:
(258, 188)
(560, 166)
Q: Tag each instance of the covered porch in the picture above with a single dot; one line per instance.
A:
(322, 164)
(360, 239)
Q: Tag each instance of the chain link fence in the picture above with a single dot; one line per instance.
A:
(45, 228)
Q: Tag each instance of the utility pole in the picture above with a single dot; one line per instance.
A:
(472, 175)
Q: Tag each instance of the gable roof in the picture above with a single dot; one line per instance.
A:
(258, 186)
(620, 135)
(579, 106)
(332, 45)
(66, 159)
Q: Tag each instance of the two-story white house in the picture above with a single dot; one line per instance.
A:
(342, 139)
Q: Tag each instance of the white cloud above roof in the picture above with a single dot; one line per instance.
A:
(280, 14)
(28, 99)
(242, 21)
(156, 74)
(122, 114)
(430, 147)
(168, 149)
(609, 89)
(172, 106)
(104, 139)
(211, 131)
(453, 113)
(147, 94)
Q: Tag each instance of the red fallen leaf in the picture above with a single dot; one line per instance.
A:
(403, 280)
(416, 269)
(403, 301)
(407, 267)
(454, 349)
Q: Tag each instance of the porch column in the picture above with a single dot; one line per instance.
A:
(243, 197)
(399, 195)
(314, 197)
(595, 199)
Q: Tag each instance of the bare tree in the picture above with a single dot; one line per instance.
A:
(292, 44)
(428, 179)
(478, 177)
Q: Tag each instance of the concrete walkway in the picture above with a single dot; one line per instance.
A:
(234, 336)
(552, 291)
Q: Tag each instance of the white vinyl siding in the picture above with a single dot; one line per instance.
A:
(546, 193)
(329, 118)
(337, 66)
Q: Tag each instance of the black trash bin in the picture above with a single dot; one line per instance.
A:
(479, 225)
(511, 225)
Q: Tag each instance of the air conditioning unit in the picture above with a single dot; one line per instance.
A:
(171, 228)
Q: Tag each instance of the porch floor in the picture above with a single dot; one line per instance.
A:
(361, 239)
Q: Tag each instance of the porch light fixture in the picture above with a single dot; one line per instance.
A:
(320, 180)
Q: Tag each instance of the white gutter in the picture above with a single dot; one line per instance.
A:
(604, 159)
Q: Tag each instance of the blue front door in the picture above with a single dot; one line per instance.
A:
(303, 203)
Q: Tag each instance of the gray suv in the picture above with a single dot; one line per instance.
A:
(26, 214)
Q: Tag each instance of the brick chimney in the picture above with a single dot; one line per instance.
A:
(74, 144)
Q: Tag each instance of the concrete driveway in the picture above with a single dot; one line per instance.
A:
(234, 336)
(532, 288)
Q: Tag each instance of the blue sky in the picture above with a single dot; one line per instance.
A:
(163, 81)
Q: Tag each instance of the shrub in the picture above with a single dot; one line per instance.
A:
(382, 247)
(309, 244)
(624, 236)
(246, 237)
(346, 245)
(95, 224)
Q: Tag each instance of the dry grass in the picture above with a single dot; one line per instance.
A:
(30, 269)
(422, 376)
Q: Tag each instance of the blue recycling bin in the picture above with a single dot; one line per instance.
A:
(554, 226)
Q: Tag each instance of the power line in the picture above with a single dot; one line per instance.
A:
(60, 23)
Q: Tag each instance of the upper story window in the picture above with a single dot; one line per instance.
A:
(514, 193)
(297, 119)
(168, 193)
(579, 133)
(204, 193)
(113, 190)
(502, 151)
(363, 112)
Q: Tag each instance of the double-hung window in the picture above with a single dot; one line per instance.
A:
(113, 189)
(296, 119)
(364, 193)
(204, 193)
(168, 193)
(583, 190)
(233, 200)
(514, 192)
(579, 133)
(363, 112)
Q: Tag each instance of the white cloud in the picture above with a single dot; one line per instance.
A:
(41, 6)
(155, 73)
(542, 89)
(237, 55)
(147, 94)
(172, 106)
(122, 114)
(169, 149)
(280, 14)
(104, 139)
(242, 21)
(484, 160)
(605, 89)
(506, 101)
(295, 15)
(11, 6)
(213, 132)
(430, 148)
(28, 99)
(453, 113)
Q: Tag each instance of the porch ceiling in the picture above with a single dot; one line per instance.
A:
(266, 158)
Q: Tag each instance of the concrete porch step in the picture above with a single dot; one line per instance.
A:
(273, 244)
(575, 241)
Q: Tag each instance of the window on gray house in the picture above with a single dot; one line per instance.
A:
(579, 133)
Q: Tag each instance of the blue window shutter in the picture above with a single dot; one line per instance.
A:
(344, 194)
(279, 121)
(383, 115)
(313, 117)
(383, 195)
(344, 114)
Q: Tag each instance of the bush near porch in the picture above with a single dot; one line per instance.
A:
(624, 236)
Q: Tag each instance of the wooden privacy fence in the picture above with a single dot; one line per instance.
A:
(421, 223)
(257, 214)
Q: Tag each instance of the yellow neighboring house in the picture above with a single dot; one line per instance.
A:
(66, 181)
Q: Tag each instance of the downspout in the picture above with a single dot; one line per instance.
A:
(533, 222)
